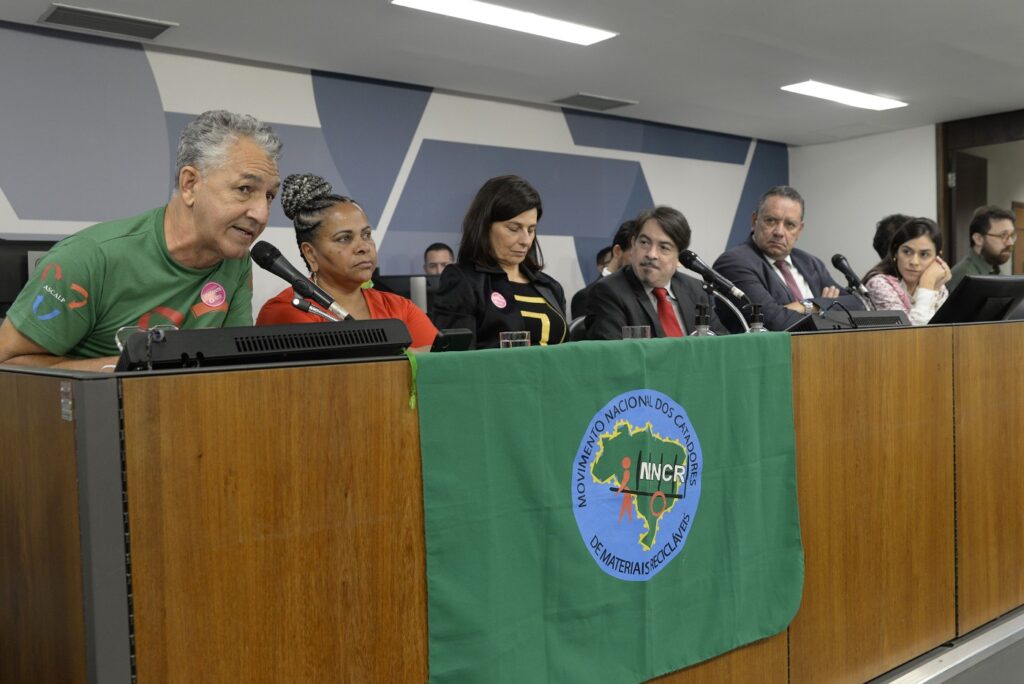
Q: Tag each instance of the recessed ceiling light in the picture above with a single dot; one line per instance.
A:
(516, 20)
(853, 98)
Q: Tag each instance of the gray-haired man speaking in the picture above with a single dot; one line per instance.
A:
(185, 264)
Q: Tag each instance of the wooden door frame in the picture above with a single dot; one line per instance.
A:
(956, 136)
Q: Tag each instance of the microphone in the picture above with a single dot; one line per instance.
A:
(269, 257)
(710, 275)
(843, 266)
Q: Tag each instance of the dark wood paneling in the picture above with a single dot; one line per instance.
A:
(989, 386)
(873, 412)
(42, 632)
(984, 130)
(277, 525)
(971, 192)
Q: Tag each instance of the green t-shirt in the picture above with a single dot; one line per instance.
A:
(118, 274)
(972, 264)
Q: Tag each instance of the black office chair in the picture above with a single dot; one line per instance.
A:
(577, 329)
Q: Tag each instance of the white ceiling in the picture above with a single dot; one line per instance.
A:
(710, 64)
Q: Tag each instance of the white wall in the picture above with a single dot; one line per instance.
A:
(848, 186)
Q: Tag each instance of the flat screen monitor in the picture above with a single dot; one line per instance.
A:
(978, 299)
(17, 261)
(418, 287)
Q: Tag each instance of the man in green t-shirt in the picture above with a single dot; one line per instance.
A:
(186, 264)
(992, 236)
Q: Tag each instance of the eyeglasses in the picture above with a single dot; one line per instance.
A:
(664, 248)
(1005, 237)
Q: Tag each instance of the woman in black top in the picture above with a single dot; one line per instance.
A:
(496, 284)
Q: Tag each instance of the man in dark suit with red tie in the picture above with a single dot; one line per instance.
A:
(787, 282)
(649, 290)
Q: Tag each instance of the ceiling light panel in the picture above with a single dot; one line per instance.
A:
(852, 98)
(513, 19)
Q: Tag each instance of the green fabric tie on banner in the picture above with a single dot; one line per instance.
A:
(607, 511)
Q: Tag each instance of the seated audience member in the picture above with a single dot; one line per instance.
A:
(336, 242)
(884, 230)
(604, 255)
(436, 257)
(912, 277)
(992, 236)
(620, 247)
(788, 283)
(496, 285)
(648, 289)
(184, 264)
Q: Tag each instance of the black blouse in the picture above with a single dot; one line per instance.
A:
(483, 299)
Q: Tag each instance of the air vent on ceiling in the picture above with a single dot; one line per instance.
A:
(598, 103)
(104, 22)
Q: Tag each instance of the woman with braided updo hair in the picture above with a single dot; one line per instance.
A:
(336, 242)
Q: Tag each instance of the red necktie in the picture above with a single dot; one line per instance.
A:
(787, 275)
(666, 314)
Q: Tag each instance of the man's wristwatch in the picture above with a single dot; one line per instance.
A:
(808, 306)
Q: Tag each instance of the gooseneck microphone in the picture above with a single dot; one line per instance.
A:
(269, 257)
(710, 275)
(843, 266)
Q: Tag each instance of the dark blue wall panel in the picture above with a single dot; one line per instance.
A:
(368, 126)
(612, 132)
(769, 167)
(82, 127)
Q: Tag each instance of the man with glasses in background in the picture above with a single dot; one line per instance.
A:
(648, 290)
(993, 234)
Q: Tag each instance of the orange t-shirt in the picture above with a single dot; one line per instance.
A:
(381, 304)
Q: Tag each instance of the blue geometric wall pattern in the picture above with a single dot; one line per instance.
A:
(768, 167)
(78, 114)
(585, 197)
(368, 126)
(304, 151)
(617, 133)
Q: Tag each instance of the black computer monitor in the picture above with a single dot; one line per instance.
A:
(15, 267)
(982, 298)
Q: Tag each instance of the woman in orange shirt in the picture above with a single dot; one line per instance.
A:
(336, 242)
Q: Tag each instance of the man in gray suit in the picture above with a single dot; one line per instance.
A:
(787, 282)
(649, 290)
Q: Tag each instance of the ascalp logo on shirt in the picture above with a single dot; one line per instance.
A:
(636, 484)
(57, 294)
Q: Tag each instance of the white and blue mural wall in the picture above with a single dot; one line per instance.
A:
(90, 126)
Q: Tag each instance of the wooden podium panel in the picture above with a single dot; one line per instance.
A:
(873, 413)
(42, 630)
(989, 386)
(277, 525)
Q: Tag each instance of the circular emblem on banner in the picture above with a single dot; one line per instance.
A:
(498, 300)
(213, 294)
(636, 484)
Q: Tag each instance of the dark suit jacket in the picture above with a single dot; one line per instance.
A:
(620, 299)
(745, 266)
(578, 305)
(463, 300)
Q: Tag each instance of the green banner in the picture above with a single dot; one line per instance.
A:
(607, 511)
